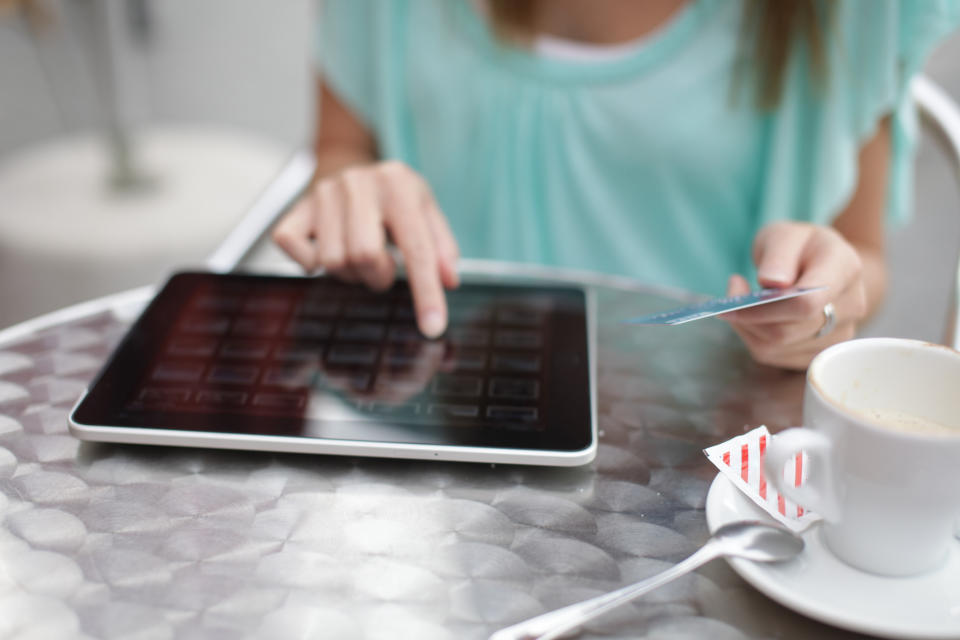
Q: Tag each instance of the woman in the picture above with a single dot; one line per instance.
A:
(694, 143)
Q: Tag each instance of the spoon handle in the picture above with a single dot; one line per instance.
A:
(554, 623)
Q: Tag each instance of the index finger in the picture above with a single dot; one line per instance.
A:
(413, 236)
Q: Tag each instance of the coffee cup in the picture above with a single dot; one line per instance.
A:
(882, 437)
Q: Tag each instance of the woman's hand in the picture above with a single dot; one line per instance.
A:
(788, 333)
(344, 223)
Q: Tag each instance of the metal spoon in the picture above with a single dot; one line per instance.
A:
(757, 541)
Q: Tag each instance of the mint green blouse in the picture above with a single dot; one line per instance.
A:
(650, 165)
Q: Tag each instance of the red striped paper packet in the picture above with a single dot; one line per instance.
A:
(741, 460)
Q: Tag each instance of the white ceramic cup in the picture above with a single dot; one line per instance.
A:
(882, 436)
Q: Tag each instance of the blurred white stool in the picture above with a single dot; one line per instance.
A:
(66, 235)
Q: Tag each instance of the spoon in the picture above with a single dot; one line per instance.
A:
(757, 541)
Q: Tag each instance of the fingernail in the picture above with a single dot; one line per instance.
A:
(432, 324)
(774, 276)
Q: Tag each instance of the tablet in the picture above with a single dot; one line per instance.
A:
(315, 365)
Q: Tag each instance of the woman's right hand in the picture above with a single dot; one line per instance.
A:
(344, 223)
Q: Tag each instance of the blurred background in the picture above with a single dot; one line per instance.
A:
(135, 133)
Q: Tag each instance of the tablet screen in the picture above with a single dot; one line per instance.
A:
(316, 358)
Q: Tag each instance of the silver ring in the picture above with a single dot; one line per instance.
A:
(829, 320)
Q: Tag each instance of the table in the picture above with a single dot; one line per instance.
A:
(116, 541)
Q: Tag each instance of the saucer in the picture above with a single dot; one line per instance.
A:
(820, 586)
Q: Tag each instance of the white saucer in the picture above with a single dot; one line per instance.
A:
(820, 586)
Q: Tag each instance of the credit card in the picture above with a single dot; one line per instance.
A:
(718, 306)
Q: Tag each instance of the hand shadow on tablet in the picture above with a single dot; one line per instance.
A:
(403, 371)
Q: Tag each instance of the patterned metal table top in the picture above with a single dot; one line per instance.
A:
(111, 541)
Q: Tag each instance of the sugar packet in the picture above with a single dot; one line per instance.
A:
(740, 459)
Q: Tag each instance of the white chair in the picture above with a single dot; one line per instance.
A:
(942, 117)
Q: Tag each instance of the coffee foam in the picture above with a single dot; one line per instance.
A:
(905, 422)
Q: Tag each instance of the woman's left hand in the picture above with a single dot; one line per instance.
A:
(791, 332)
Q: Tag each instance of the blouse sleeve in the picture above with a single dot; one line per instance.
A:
(352, 53)
(875, 48)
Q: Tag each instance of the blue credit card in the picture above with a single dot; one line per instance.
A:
(718, 306)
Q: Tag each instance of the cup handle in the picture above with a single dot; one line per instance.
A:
(816, 493)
